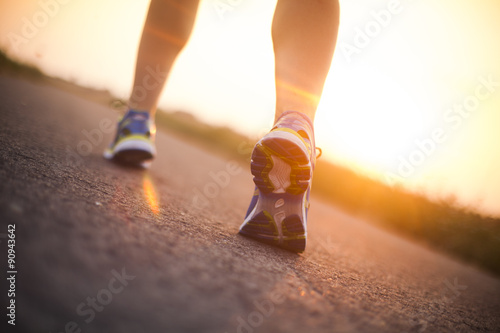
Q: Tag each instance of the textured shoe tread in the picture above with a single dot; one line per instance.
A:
(261, 227)
(286, 150)
(262, 163)
(292, 226)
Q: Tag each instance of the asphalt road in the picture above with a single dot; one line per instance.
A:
(102, 248)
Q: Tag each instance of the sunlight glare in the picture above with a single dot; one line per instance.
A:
(369, 117)
(150, 194)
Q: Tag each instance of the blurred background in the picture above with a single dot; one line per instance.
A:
(400, 105)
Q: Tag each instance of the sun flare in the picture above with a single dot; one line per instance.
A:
(369, 118)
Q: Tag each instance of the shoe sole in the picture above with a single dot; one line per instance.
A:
(282, 173)
(132, 152)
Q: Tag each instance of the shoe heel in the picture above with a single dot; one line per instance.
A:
(261, 227)
(281, 154)
(294, 234)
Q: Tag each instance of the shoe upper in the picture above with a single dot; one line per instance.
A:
(137, 124)
(133, 143)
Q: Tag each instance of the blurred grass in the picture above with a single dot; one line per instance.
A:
(9, 66)
(442, 225)
(222, 140)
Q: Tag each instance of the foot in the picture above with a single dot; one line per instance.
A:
(134, 141)
(282, 166)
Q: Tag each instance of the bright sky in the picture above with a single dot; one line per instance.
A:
(413, 98)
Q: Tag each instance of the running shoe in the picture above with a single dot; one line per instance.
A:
(282, 167)
(134, 141)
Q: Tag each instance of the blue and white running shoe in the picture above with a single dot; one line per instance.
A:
(134, 141)
(282, 166)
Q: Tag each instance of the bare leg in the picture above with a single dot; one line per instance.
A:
(167, 29)
(304, 36)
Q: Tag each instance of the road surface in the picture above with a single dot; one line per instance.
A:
(102, 248)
